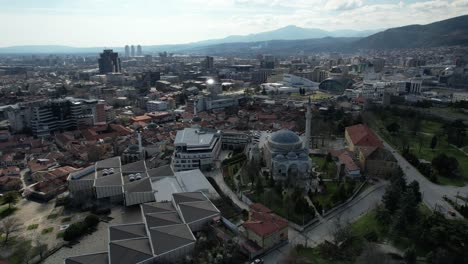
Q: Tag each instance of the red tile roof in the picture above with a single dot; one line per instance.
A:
(362, 135)
(263, 222)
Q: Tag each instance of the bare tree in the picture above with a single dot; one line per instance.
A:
(8, 227)
(341, 232)
(41, 248)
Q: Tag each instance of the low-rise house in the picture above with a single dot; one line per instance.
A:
(361, 136)
(265, 228)
(377, 161)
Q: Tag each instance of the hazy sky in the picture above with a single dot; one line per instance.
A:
(118, 22)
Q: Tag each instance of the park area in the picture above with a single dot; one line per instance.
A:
(424, 138)
(401, 230)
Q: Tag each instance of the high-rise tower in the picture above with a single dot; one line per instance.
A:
(308, 125)
(109, 62)
(132, 51)
(127, 51)
(139, 51)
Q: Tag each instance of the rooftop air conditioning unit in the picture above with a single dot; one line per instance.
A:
(105, 172)
(138, 176)
(131, 177)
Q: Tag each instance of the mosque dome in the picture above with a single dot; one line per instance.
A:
(285, 137)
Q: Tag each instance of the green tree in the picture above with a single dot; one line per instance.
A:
(434, 142)
(410, 255)
(11, 198)
(259, 187)
(393, 127)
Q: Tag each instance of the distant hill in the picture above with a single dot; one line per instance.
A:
(277, 47)
(285, 33)
(453, 31)
(289, 33)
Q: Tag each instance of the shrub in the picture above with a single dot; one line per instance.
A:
(74, 231)
(91, 221)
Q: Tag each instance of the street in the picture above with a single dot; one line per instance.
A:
(431, 192)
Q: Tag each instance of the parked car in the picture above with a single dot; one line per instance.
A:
(257, 261)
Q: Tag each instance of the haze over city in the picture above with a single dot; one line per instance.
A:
(233, 132)
(89, 23)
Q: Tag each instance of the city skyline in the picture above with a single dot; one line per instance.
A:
(115, 23)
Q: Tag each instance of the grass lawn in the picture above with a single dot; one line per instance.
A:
(329, 171)
(273, 201)
(32, 227)
(47, 230)
(325, 198)
(52, 216)
(66, 219)
(60, 235)
(420, 144)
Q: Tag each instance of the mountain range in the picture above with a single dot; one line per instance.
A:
(297, 40)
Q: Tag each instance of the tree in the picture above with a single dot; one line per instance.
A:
(8, 227)
(10, 198)
(393, 127)
(445, 165)
(414, 187)
(410, 255)
(434, 142)
(259, 186)
(40, 248)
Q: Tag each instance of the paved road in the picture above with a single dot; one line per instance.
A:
(432, 193)
(217, 175)
(318, 233)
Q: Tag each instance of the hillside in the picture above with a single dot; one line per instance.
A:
(448, 32)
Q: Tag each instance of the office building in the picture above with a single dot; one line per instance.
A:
(132, 51)
(209, 63)
(195, 148)
(156, 106)
(109, 62)
(267, 62)
(139, 51)
(127, 51)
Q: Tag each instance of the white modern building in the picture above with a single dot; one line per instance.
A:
(196, 148)
(156, 106)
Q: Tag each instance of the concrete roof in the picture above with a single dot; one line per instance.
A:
(194, 137)
(133, 167)
(157, 207)
(109, 180)
(165, 187)
(195, 181)
(162, 171)
(162, 219)
(130, 251)
(121, 232)
(143, 185)
(108, 163)
(97, 258)
(168, 238)
(195, 211)
(188, 197)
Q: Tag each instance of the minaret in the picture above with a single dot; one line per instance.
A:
(308, 125)
(140, 146)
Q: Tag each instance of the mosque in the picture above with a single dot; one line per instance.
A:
(287, 157)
